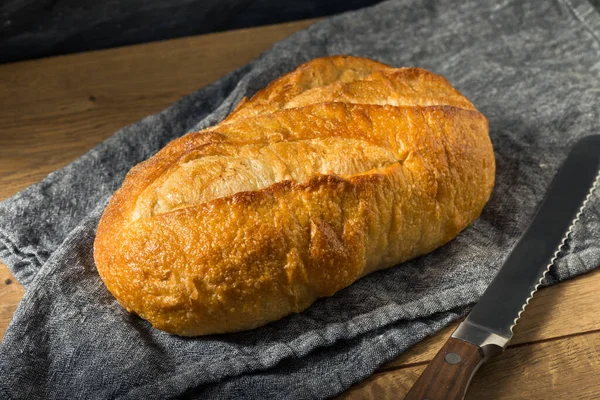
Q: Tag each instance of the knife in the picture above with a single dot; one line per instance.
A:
(488, 328)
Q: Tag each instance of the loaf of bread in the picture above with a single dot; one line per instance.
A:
(340, 168)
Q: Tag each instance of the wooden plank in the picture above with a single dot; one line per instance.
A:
(55, 109)
(560, 310)
(566, 368)
(10, 293)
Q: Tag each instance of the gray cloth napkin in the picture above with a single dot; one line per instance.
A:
(533, 68)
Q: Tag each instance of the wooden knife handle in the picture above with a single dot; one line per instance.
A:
(449, 373)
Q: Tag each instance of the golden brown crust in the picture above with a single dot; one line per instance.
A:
(340, 168)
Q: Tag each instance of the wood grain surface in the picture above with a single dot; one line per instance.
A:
(53, 110)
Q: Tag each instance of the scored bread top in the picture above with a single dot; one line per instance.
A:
(340, 168)
(291, 130)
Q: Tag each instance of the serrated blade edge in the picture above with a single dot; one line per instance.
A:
(560, 247)
(491, 321)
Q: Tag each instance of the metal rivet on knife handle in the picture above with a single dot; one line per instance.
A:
(452, 358)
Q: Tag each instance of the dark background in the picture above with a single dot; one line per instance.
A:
(41, 28)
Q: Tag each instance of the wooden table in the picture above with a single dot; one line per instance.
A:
(55, 109)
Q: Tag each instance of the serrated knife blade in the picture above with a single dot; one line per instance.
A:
(488, 328)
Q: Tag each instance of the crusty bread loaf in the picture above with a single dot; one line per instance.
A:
(343, 167)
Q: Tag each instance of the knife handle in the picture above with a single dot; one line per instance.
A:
(449, 373)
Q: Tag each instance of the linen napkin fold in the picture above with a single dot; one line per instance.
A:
(532, 68)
